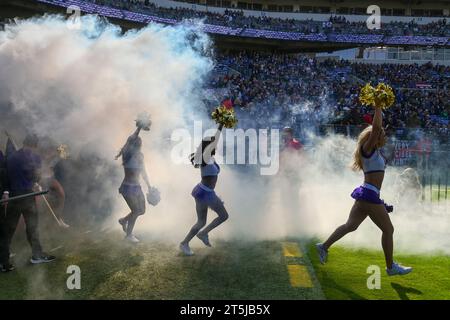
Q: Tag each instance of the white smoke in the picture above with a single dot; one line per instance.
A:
(311, 197)
(87, 86)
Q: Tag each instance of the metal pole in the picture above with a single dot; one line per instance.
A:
(439, 188)
(23, 196)
(423, 186)
(446, 184)
(431, 186)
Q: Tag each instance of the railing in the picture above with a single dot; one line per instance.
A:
(418, 149)
(399, 133)
(435, 184)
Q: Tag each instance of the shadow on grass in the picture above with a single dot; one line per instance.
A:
(98, 259)
(240, 270)
(349, 293)
(404, 291)
(325, 279)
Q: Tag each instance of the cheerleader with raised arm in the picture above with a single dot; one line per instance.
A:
(203, 193)
(134, 169)
(369, 158)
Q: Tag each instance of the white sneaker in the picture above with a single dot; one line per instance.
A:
(398, 270)
(132, 238)
(43, 258)
(323, 253)
(186, 249)
(62, 224)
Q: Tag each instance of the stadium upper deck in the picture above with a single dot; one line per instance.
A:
(287, 35)
(333, 31)
(398, 9)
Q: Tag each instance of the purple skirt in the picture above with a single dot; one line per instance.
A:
(201, 193)
(130, 189)
(368, 195)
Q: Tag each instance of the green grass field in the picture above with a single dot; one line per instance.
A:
(440, 195)
(113, 269)
(436, 193)
(345, 277)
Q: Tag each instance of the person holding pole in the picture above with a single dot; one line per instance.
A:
(23, 173)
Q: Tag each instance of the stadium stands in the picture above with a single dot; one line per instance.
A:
(281, 84)
(236, 24)
(292, 88)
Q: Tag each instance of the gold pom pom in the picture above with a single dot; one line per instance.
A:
(62, 151)
(381, 96)
(367, 95)
(224, 116)
(384, 95)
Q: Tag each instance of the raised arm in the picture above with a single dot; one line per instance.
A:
(217, 136)
(134, 135)
(377, 127)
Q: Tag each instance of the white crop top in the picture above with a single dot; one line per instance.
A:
(374, 162)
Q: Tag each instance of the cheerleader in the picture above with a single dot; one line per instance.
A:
(369, 159)
(130, 189)
(204, 194)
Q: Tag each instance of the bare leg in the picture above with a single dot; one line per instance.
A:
(131, 220)
(137, 206)
(222, 213)
(202, 212)
(357, 215)
(124, 221)
(380, 217)
(127, 216)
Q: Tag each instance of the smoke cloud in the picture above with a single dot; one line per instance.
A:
(85, 88)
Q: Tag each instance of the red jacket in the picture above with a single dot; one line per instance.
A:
(293, 144)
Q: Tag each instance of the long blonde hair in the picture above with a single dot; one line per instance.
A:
(357, 156)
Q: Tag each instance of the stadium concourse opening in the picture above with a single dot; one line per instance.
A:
(109, 189)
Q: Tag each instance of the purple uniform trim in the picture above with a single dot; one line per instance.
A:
(130, 189)
(133, 195)
(365, 194)
(202, 193)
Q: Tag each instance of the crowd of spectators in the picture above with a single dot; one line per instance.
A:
(236, 18)
(294, 88)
